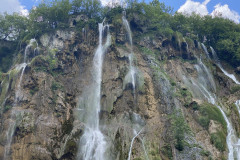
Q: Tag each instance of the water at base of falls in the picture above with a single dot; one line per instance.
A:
(92, 144)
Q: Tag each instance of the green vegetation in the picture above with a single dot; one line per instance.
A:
(235, 89)
(67, 127)
(47, 63)
(55, 86)
(179, 129)
(6, 108)
(156, 18)
(205, 153)
(6, 56)
(210, 112)
(167, 151)
(34, 90)
(219, 140)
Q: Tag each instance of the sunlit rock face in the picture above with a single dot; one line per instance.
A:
(118, 93)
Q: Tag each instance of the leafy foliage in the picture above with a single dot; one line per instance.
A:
(179, 128)
(153, 18)
(211, 112)
(219, 140)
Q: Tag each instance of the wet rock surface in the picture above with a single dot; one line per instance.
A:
(49, 128)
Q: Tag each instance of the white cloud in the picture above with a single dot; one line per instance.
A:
(11, 6)
(194, 7)
(112, 3)
(225, 12)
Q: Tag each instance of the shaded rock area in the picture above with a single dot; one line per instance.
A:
(49, 127)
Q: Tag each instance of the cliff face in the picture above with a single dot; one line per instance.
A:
(163, 116)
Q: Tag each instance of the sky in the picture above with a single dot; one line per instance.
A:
(227, 9)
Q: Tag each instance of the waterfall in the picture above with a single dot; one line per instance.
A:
(201, 85)
(132, 70)
(130, 150)
(237, 103)
(92, 143)
(15, 113)
(216, 59)
(138, 124)
(18, 94)
(204, 72)
(205, 50)
(236, 146)
(16, 116)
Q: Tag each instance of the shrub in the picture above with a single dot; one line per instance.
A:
(219, 140)
(235, 89)
(6, 108)
(34, 90)
(179, 128)
(211, 112)
(55, 86)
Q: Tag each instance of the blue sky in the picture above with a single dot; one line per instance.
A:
(233, 4)
(203, 7)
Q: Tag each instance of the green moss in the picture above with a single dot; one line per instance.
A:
(147, 51)
(67, 127)
(167, 151)
(205, 153)
(34, 90)
(56, 86)
(211, 112)
(185, 94)
(71, 146)
(6, 108)
(189, 41)
(235, 89)
(157, 158)
(178, 129)
(219, 140)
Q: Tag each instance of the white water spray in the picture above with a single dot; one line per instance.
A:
(200, 87)
(92, 143)
(22, 66)
(15, 113)
(132, 70)
(216, 59)
(16, 116)
(130, 150)
(205, 50)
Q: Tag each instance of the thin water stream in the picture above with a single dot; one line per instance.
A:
(92, 143)
(15, 112)
(202, 85)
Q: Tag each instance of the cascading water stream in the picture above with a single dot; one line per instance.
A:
(15, 117)
(18, 94)
(92, 143)
(198, 85)
(15, 113)
(205, 50)
(216, 59)
(132, 70)
(138, 124)
(237, 103)
(130, 150)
